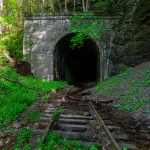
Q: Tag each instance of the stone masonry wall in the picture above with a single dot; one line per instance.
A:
(45, 34)
(46, 30)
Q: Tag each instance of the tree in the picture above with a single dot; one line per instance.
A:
(92, 27)
(1, 7)
(86, 5)
(12, 18)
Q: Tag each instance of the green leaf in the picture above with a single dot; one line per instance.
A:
(93, 148)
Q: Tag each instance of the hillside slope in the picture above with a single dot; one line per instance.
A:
(129, 90)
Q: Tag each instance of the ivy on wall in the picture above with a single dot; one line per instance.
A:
(87, 24)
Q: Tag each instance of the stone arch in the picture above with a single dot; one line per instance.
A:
(46, 30)
(66, 64)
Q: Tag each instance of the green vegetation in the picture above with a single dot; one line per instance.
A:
(129, 87)
(87, 25)
(22, 139)
(85, 29)
(16, 97)
(11, 44)
(55, 142)
(32, 117)
(56, 113)
(12, 30)
(45, 98)
(113, 81)
(129, 102)
(12, 20)
(104, 6)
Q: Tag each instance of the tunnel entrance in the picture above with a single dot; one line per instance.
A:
(76, 65)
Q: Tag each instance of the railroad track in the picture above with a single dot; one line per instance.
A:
(80, 120)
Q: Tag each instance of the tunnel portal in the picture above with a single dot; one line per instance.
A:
(78, 64)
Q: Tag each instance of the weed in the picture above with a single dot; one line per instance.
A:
(45, 98)
(32, 117)
(130, 103)
(23, 136)
(145, 112)
(15, 98)
(56, 113)
(55, 142)
(112, 82)
(131, 100)
(132, 82)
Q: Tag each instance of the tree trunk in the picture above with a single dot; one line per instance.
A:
(74, 5)
(53, 6)
(87, 1)
(65, 5)
(89, 5)
(83, 4)
(1, 7)
(41, 4)
(60, 6)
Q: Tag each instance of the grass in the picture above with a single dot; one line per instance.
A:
(32, 117)
(112, 82)
(129, 86)
(15, 99)
(22, 139)
(56, 113)
(55, 142)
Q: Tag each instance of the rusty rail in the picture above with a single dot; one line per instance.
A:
(101, 123)
(51, 121)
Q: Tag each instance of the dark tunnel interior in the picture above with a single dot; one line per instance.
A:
(78, 64)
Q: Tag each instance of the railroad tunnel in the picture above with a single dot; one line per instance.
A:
(78, 64)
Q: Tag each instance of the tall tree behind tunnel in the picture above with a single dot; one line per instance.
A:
(1, 6)
(30, 6)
